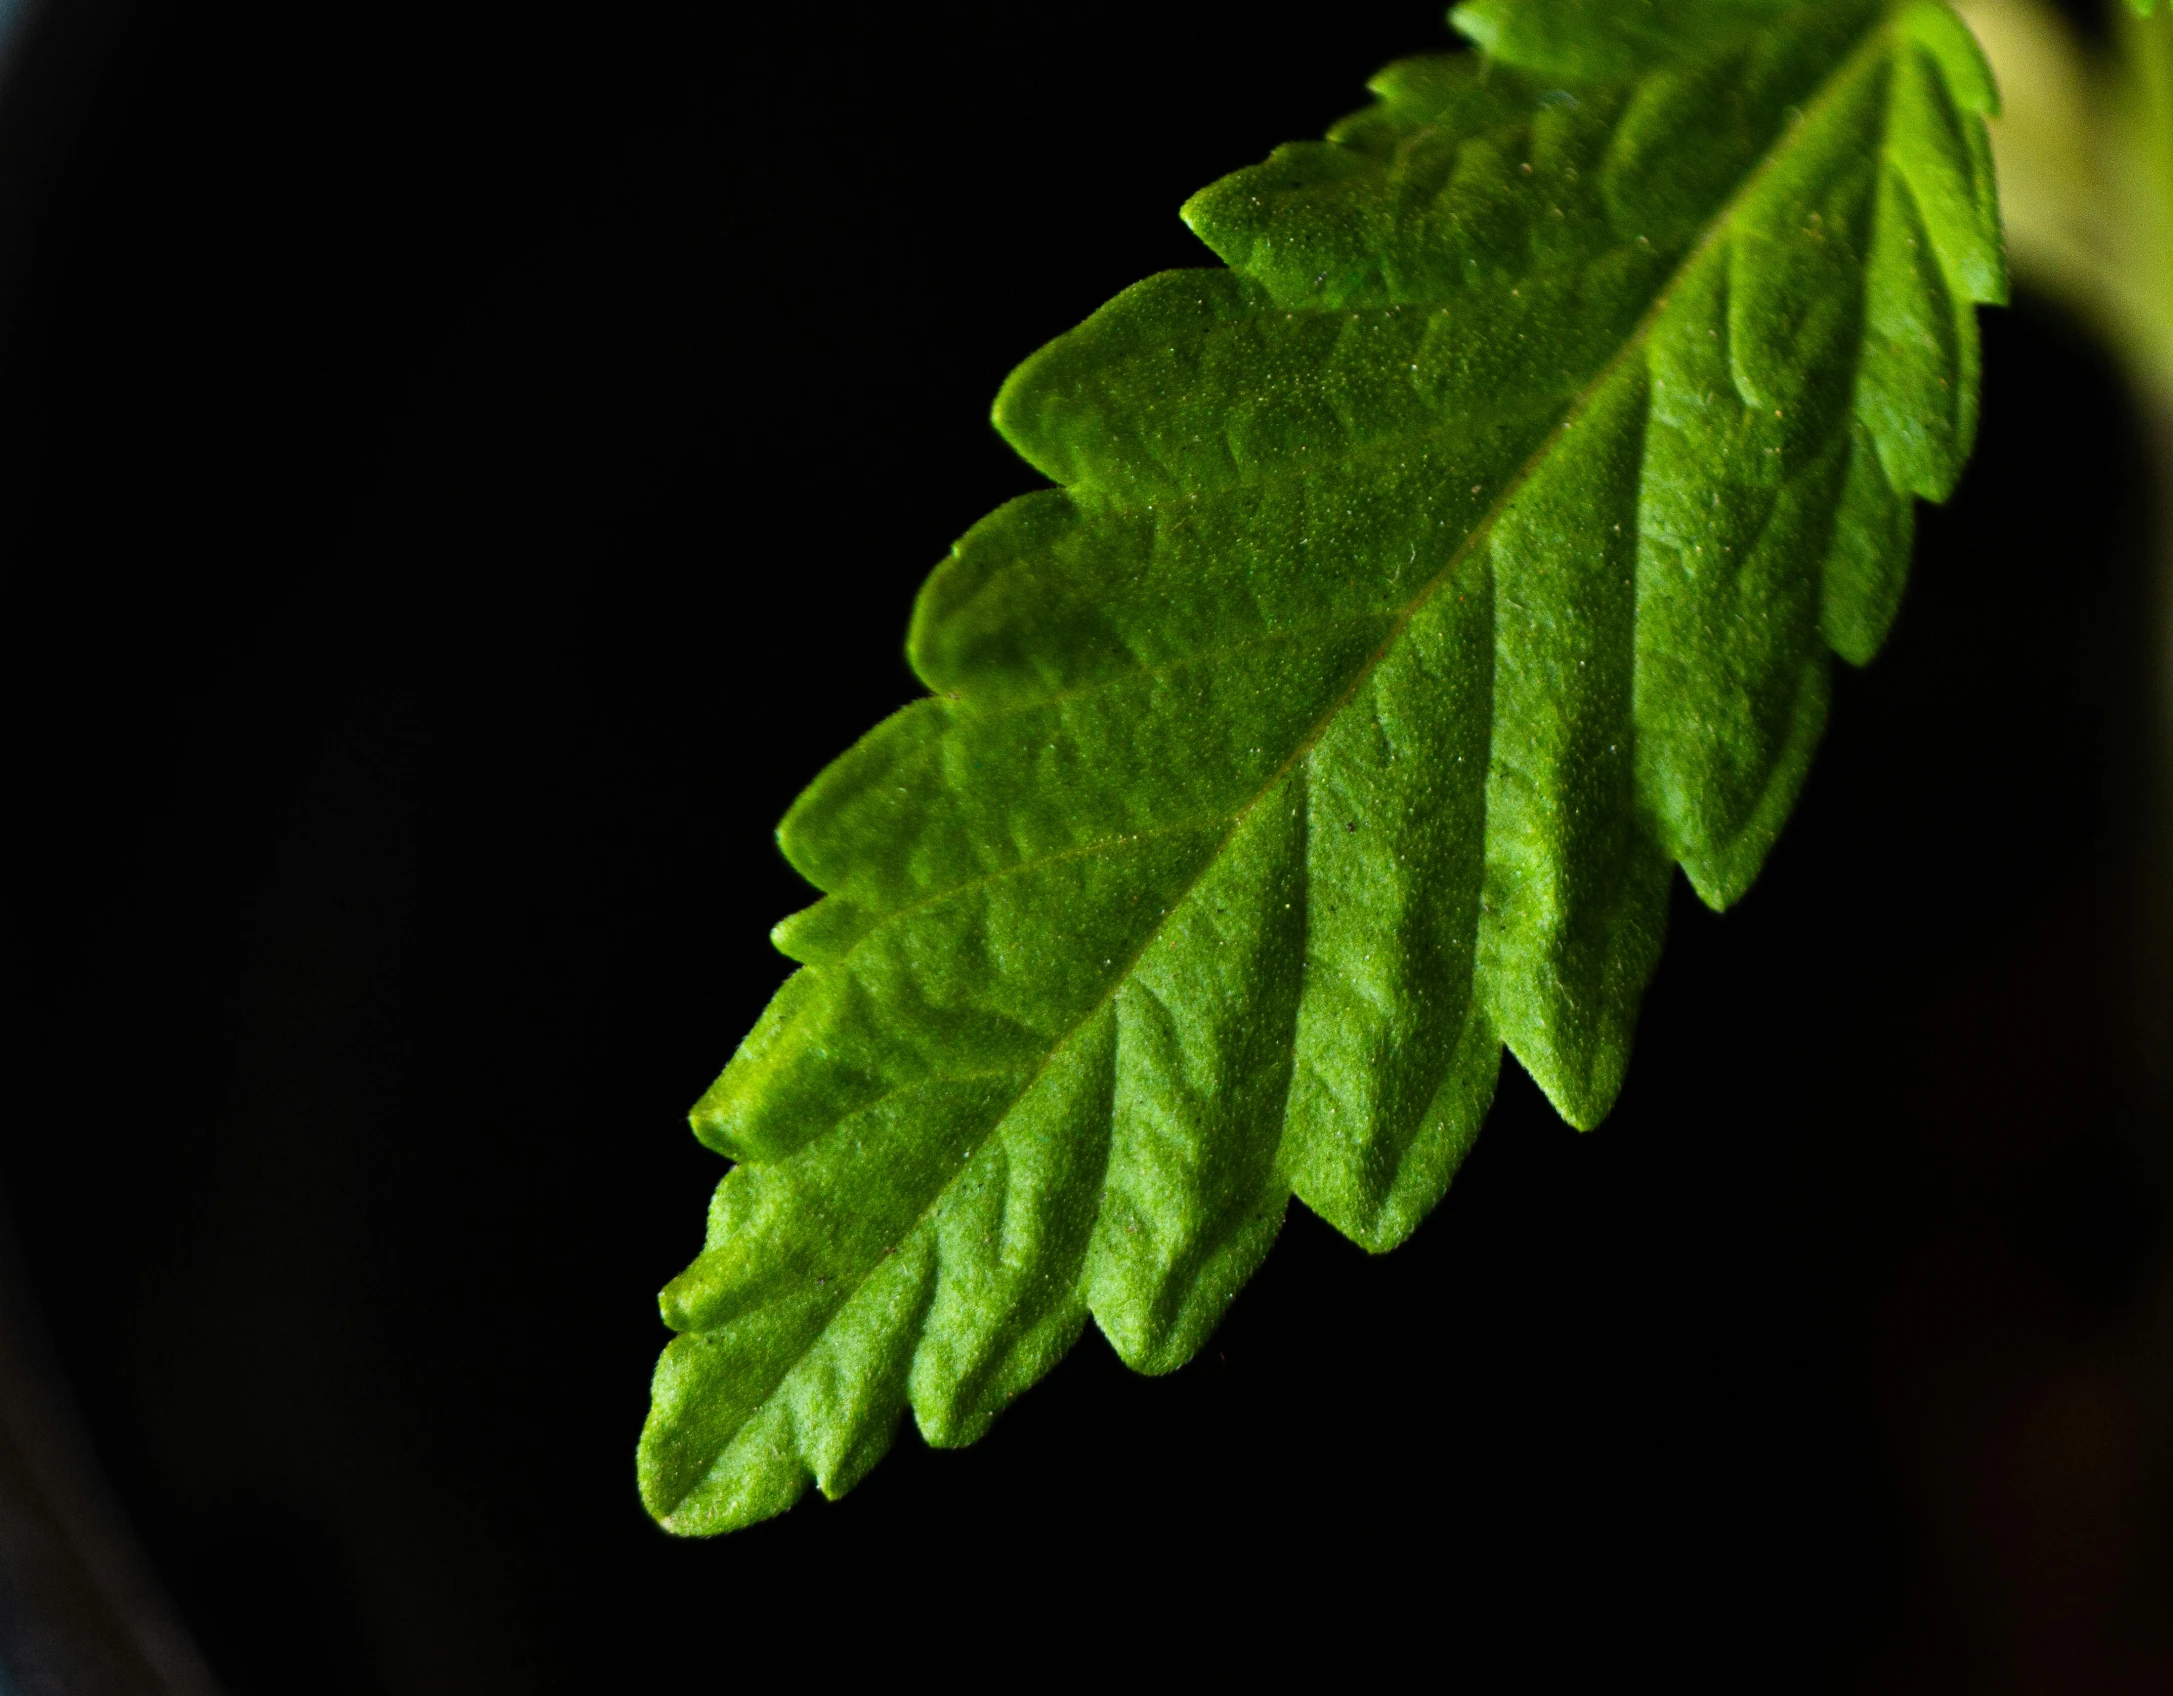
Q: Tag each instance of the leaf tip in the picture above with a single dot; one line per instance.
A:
(1478, 22)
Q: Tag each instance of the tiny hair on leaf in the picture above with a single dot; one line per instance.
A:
(1418, 587)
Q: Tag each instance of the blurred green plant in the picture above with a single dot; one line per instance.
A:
(1419, 588)
(2084, 144)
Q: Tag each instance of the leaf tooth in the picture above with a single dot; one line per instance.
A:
(824, 933)
(847, 1393)
(1576, 889)
(713, 1455)
(1916, 387)
(1795, 248)
(1009, 1253)
(746, 1416)
(820, 1354)
(739, 1114)
(1194, 1196)
(1944, 154)
(1939, 31)
(1093, 409)
(1419, 91)
(1868, 565)
(936, 801)
(1579, 43)
(1731, 539)
(789, 1229)
(1380, 1109)
(1723, 868)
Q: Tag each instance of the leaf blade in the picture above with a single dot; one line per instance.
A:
(1421, 589)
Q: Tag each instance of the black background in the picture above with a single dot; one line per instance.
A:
(465, 469)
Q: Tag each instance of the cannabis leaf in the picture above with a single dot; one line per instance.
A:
(1417, 590)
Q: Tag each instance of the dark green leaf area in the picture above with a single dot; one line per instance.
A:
(1417, 591)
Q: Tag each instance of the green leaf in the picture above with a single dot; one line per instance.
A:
(1417, 590)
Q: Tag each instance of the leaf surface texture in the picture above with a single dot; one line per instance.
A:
(1418, 588)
